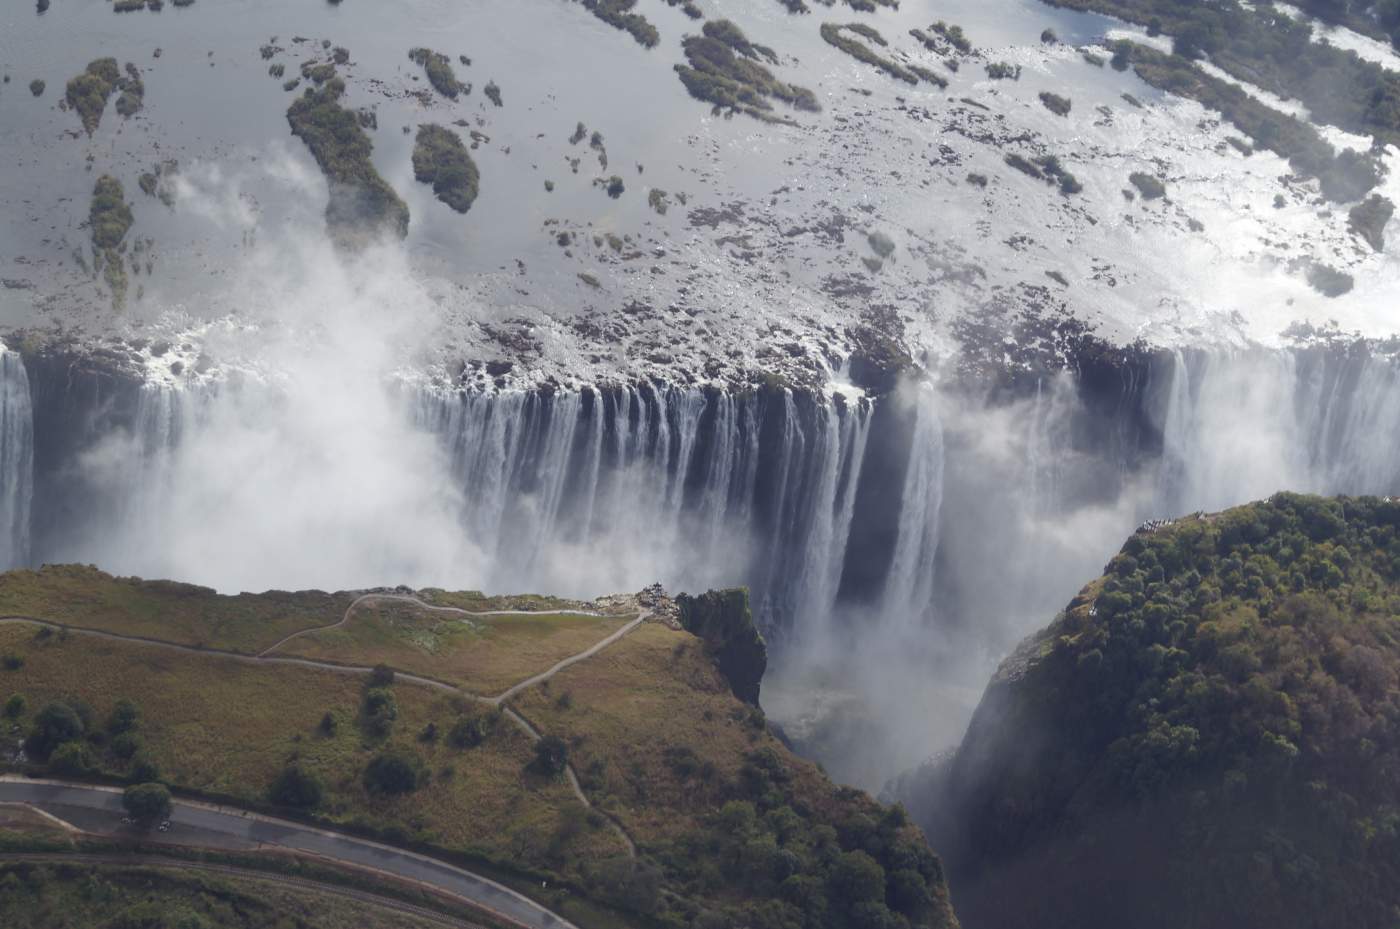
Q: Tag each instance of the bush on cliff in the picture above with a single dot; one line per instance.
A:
(723, 620)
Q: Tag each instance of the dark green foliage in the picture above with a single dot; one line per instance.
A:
(615, 187)
(71, 759)
(551, 756)
(1265, 47)
(954, 35)
(619, 15)
(1368, 219)
(836, 34)
(1328, 281)
(1150, 187)
(1003, 71)
(378, 711)
(1210, 729)
(143, 769)
(88, 92)
(147, 803)
(723, 620)
(133, 92)
(1046, 168)
(15, 706)
(108, 214)
(381, 675)
(469, 731)
(125, 717)
(125, 746)
(440, 159)
(440, 73)
(109, 219)
(1056, 104)
(296, 787)
(394, 772)
(493, 93)
(12, 662)
(361, 203)
(724, 69)
(54, 725)
(36, 87)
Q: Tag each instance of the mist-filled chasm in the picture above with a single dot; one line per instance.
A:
(895, 547)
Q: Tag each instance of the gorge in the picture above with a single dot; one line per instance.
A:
(932, 527)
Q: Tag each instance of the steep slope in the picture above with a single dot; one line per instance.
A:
(1205, 737)
(609, 771)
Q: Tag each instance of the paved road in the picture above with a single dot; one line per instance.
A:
(98, 809)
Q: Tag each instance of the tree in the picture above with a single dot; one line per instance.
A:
(14, 707)
(143, 769)
(381, 676)
(380, 710)
(124, 718)
(551, 756)
(393, 772)
(125, 746)
(70, 758)
(55, 724)
(147, 803)
(857, 878)
(296, 787)
(467, 732)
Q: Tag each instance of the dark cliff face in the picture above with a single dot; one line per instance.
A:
(1206, 737)
(723, 620)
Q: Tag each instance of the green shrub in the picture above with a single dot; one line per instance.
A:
(394, 772)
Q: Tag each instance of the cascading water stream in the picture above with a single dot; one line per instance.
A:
(16, 460)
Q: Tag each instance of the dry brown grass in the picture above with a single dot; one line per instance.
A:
(630, 709)
(80, 595)
(484, 655)
(220, 725)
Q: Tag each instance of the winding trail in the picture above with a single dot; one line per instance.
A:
(499, 701)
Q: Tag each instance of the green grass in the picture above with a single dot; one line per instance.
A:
(723, 815)
(484, 655)
(83, 596)
(219, 726)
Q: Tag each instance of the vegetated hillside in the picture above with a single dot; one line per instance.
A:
(727, 826)
(1209, 735)
(56, 895)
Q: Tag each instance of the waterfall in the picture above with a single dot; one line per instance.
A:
(910, 585)
(16, 460)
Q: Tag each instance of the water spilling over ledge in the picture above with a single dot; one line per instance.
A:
(908, 540)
